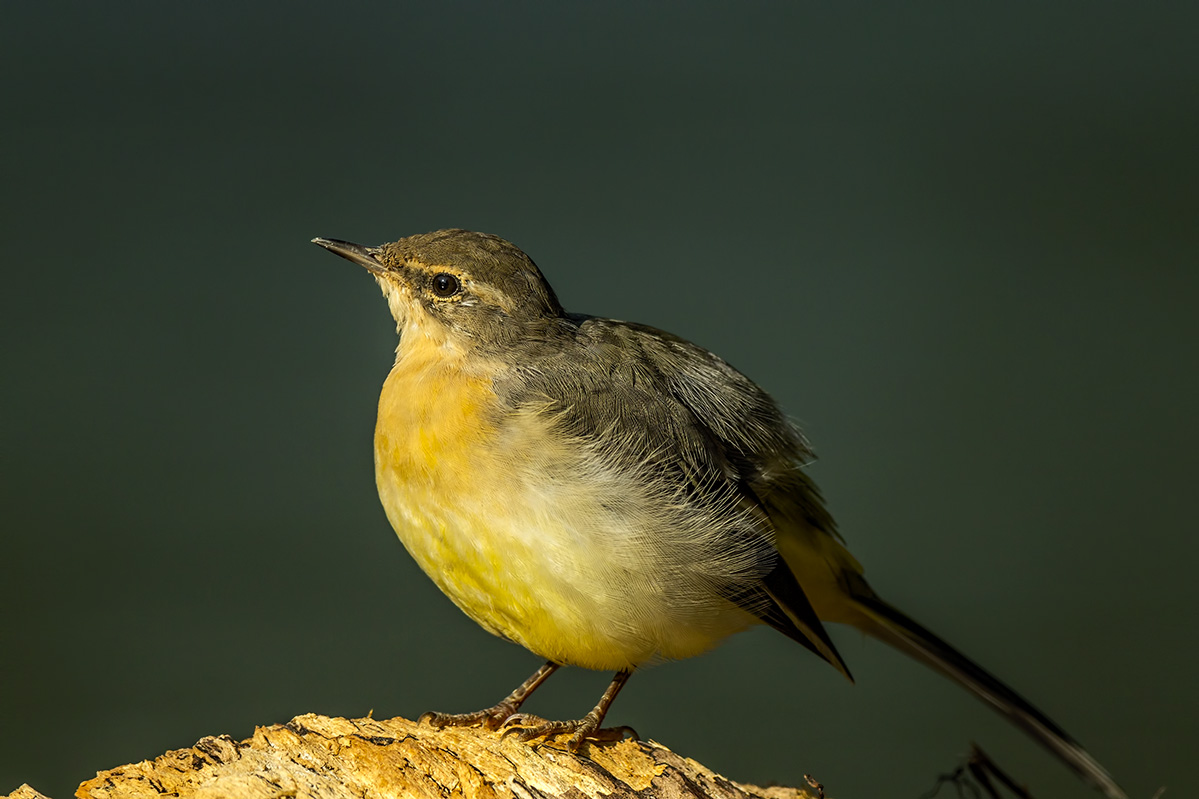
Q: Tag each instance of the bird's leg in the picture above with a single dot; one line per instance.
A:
(493, 717)
(528, 727)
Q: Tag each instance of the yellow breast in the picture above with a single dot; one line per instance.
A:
(432, 426)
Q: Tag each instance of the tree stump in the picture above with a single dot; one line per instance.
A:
(317, 757)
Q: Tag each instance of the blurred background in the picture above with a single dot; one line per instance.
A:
(957, 244)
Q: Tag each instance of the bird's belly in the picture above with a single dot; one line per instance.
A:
(520, 537)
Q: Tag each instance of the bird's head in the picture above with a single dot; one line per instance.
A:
(457, 288)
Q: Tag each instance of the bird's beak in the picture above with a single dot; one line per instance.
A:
(353, 252)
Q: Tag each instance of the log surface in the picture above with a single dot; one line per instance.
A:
(317, 757)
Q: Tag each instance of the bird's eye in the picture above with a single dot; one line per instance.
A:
(445, 285)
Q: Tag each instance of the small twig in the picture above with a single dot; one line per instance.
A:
(976, 776)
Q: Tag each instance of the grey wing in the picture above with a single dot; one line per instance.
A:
(707, 436)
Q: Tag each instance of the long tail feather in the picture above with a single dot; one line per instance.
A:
(895, 628)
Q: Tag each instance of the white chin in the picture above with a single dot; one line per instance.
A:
(397, 301)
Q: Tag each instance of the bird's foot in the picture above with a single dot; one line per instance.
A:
(491, 718)
(527, 727)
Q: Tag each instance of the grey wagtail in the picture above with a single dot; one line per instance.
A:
(606, 494)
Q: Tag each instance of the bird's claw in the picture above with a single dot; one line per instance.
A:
(491, 718)
(527, 727)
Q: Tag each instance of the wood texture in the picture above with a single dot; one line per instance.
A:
(319, 757)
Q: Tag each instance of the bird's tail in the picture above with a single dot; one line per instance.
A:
(893, 627)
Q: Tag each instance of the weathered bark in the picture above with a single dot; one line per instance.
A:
(334, 758)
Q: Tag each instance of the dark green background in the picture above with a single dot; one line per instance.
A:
(958, 245)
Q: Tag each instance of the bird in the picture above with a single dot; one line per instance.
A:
(608, 495)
